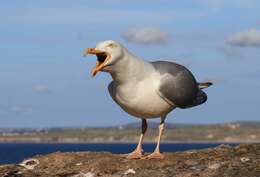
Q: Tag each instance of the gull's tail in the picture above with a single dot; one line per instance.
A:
(201, 95)
(204, 85)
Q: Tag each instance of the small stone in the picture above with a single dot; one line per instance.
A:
(78, 164)
(129, 171)
(29, 164)
(244, 159)
(190, 152)
(214, 166)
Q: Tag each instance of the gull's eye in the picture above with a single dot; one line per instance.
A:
(111, 45)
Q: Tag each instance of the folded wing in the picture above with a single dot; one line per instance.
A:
(178, 86)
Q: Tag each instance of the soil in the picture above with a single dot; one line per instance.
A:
(222, 161)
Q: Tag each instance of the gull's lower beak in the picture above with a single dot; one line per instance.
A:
(100, 62)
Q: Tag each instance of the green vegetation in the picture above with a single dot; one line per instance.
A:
(229, 132)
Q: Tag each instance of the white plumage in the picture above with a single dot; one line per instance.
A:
(146, 89)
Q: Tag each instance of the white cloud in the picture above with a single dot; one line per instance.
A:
(41, 88)
(146, 35)
(231, 52)
(248, 38)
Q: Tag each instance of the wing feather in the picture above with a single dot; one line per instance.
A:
(178, 86)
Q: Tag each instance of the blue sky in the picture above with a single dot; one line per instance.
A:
(46, 82)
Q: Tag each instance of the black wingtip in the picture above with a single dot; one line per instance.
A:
(204, 85)
(208, 83)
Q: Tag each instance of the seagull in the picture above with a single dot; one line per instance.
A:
(146, 89)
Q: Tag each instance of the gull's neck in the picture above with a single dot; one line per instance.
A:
(130, 69)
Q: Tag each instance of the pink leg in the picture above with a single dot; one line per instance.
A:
(137, 153)
(157, 154)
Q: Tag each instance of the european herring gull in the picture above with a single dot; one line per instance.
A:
(146, 89)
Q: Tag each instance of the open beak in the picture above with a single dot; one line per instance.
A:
(102, 59)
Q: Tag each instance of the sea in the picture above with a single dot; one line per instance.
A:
(16, 152)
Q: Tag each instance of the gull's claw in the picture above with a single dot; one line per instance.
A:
(136, 154)
(155, 155)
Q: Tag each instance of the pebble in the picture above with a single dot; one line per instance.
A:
(129, 171)
(29, 164)
(244, 159)
(78, 164)
(214, 166)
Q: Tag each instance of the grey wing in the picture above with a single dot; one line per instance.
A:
(111, 89)
(178, 86)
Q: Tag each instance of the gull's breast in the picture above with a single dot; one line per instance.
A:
(141, 99)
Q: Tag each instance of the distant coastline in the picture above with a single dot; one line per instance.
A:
(233, 132)
(129, 142)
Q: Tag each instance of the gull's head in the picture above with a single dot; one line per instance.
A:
(107, 52)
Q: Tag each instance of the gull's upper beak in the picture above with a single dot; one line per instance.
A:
(102, 59)
(90, 51)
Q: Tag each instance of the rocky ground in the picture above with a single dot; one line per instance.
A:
(223, 161)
